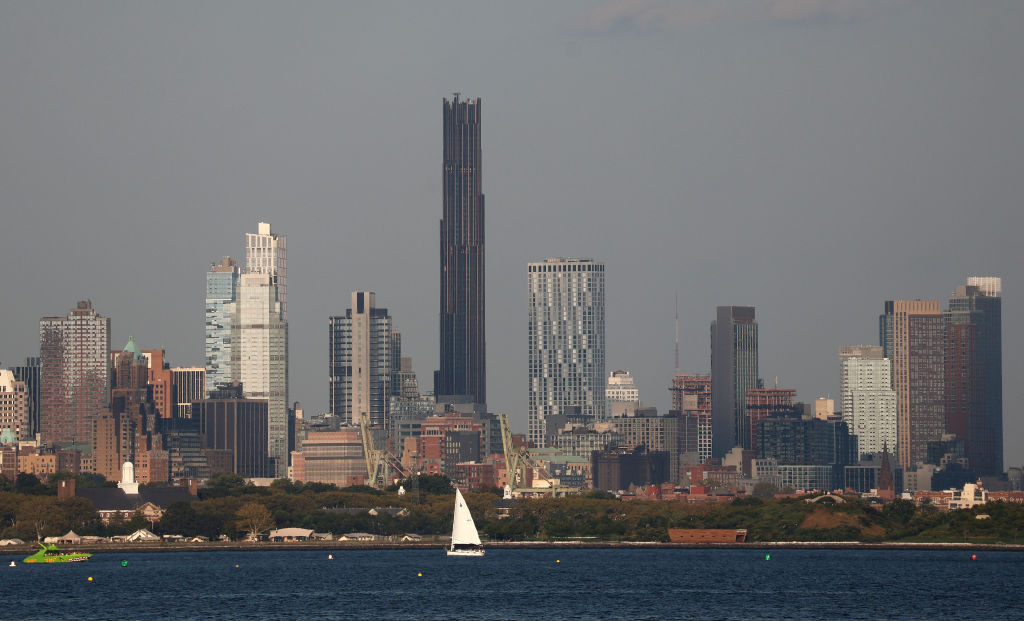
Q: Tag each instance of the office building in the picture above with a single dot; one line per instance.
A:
(222, 324)
(566, 340)
(263, 368)
(234, 432)
(188, 384)
(912, 335)
(74, 386)
(974, 372)
(867, 399)
(463, 355)
(621, 393)
(360, 361)
(733, 372)
(691, 395)
(267, 253)
(331, 457)
(29, 373)
(763, 404)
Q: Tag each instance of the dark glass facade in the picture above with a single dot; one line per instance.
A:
(974, 376)
(733, 373)
(234, 430)
(463, 369)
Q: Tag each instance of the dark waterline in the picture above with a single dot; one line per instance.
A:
(522, 584)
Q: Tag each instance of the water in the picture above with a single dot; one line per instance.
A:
(521, 584)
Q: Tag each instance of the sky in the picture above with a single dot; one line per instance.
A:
(811, 158)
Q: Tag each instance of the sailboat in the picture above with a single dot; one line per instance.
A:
(465, 539)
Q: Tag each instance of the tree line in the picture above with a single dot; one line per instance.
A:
(230, 506)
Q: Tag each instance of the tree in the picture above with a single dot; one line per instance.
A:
(36, 516)
(26, 483)
(223, 484)
(178, 519)
(254, 518)
(764, 489)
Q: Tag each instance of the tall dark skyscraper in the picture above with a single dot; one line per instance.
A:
(463, 363)
(733, 373)
(974, 372)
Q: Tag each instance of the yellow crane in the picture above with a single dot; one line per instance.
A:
(517, 460)
(379, 462)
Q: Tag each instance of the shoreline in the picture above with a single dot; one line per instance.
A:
(342, 546)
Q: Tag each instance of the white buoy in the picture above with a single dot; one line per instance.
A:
(330, 557)
(12, 564)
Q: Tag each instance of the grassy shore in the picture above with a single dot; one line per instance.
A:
(122, 548)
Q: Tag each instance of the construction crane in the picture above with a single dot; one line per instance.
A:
(517, 460)
(379, 462)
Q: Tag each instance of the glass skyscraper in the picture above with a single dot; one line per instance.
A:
(974, 372)
(222, 354)
(462, 368)
(566, 341)
(733, 373)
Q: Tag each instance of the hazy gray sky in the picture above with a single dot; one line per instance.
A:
(812, 158)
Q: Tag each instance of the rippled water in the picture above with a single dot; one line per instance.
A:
(521, 584)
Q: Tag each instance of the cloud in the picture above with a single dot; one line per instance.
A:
(674, 15)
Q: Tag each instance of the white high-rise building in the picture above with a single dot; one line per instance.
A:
(361, 361)
(263, 359)
(868, 400)
(621, 394)
(267, 253)
(566, 340)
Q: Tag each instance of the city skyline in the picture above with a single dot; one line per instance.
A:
(727, 157)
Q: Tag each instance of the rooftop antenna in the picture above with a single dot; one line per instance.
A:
(677, 333)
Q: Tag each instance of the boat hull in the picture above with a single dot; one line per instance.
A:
(73, 558)
(476, 552)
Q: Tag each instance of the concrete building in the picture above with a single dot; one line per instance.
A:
(912, 335)
(14, 405)
(462, 367)
(824, 408)
(691, 394)
(734, 371)
(223, 355)
(566, 340)
(263, 339)
(159, 379)
(866, 396)
(360, 361)
(74, 387)
(974, 372)
(621, 393)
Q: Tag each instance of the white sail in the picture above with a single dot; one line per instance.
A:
(463, 528)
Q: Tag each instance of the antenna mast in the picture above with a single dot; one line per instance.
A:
(677, 333)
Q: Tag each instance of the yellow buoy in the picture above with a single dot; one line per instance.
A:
(90, 578)
(558, 560)
(420, 574)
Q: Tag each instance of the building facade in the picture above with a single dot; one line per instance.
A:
(361, 361)
(74, 354)
(463, 355)
(234, 432)
(974, 372)
(263, 341)
(912, 335)
(188, 384)
(222, 324)
(691, 394)
(29, 373)
(566, 340)
(14, 405)
(734, 371)
(267, 253)
(331, 457)
(867, 399)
